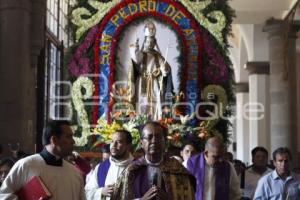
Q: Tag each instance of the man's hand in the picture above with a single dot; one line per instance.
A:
(150, 194)
(155, 193)
(108, 190)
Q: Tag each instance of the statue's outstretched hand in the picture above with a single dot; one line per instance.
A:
(136, 44)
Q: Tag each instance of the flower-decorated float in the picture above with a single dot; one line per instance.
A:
(192, 79)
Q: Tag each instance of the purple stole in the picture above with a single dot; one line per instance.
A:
(196, 165)
(141, 182)
(102, 172)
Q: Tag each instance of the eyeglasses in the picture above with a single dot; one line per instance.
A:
(150, 137)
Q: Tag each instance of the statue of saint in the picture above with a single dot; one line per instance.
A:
(151, 76)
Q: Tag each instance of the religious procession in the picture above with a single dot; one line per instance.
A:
(150, 100)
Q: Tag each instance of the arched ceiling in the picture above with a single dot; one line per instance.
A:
(258, 11)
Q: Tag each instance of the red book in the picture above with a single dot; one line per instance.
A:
(34, 189)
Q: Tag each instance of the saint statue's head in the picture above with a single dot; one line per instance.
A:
(150, 29)
(150, 40)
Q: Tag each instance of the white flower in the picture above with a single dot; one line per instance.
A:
(186, 118)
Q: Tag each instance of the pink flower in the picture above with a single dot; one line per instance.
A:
(78, 64)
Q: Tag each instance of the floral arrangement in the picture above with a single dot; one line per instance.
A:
(103, 131)
(78, 97)
(178, 132)
(211, 24)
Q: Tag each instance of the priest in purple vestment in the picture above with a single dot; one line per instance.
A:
(155, 176)
(216, 178)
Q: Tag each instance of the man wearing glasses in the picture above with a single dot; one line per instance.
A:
(154, 176)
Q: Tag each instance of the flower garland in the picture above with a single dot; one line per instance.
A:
(103, 8)
(216, 72)
(222, 100)
(84, 24)
(77, 97)
(78, 59)
(85, 62)
(215, 28)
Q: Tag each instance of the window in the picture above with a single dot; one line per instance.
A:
(52, 16)
(57, 40)
(63, 21)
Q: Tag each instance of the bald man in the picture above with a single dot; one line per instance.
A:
(216, 178)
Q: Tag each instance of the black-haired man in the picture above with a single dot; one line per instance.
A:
(59, 176)
(281, 183)
(258, 169)
(154, 176)
(187, 151)
(101, 183)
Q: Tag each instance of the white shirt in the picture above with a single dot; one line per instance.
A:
(64, 182)
(273, 187)
(184, 163)
(210, 185)
(92, 189)
(251, 180)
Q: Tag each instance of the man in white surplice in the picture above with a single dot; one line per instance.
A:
(61, 178)
(101, 183)
(152, 74)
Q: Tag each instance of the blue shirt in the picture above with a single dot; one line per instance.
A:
(272, 187)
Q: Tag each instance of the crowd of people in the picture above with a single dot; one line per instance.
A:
(151, 173)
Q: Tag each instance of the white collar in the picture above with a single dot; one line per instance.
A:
(123, 162)
(155, 164)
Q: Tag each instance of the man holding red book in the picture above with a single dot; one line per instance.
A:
(61, 178)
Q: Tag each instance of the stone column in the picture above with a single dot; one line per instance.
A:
(282, 84)
(18, 71)
(242, 124)
(298, 91)
(259, 110)
(38, 23)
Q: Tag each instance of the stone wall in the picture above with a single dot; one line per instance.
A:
(22, 26)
